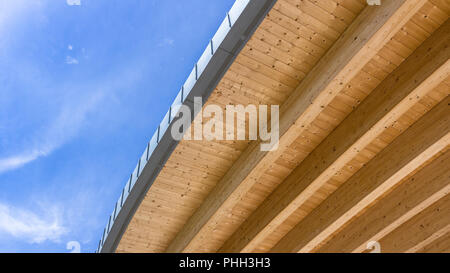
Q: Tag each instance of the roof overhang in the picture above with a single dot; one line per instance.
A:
(237, 27)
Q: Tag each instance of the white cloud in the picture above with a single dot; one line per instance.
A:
(78, 100)
(63, 128)
(69, 47)
(166, 42)
(29, 226)
(73, 2)
(17, 161)
(71, 60)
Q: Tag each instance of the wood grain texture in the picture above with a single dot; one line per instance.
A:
(325, 62)
(421, 142)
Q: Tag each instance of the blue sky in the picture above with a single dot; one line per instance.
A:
(83, 86)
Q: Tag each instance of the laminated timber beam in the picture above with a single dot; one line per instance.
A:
(413, 196)
(423, 141)
(368, 33)
(428, 66)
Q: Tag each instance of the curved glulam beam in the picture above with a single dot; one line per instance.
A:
(426, 67)
(367, 34)
(422, 141)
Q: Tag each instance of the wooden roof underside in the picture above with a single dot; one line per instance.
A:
(364, 137)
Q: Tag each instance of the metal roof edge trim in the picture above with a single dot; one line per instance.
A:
(238, 26)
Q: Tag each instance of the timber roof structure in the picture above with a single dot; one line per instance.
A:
(364, 139)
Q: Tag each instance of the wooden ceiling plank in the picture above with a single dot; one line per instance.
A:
(432, 242)
(305, 18)
(299, 29)
(272, 62)
(425, 228)
(442, 5)
(291, 42)
(318, 13)
(369, 32)
(425, 139)
(352, 5)
(334, 9)
(420, 73)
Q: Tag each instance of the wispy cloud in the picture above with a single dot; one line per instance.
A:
(73, 2)
(31, 227)
(166, 42)
(71, 60)
(16, 161)
(62, 129)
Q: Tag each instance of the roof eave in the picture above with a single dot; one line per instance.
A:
(238, 26)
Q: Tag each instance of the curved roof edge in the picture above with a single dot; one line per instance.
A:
(237, 27)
